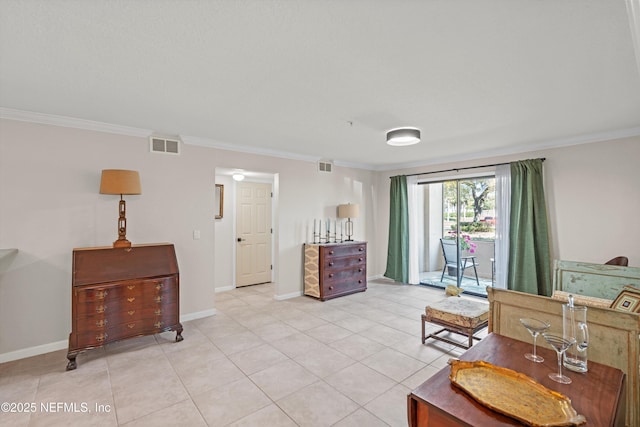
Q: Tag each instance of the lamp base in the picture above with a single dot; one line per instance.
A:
(122, 243)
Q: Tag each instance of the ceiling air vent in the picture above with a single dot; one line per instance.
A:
(164, 145)
(325, 166)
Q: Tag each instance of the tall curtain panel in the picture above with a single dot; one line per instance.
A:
(398, 248)
(503, 212)
(529, 254)
(416, 229)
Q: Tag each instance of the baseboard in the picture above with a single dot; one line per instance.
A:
(287, 296)
(198, 315)
(34, 351)
(64, 344)
(224, 289)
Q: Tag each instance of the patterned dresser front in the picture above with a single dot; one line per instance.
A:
(335, 269)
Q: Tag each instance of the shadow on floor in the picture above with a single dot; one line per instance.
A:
(468, 284)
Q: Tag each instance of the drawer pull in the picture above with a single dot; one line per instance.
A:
(359, 270)
(330, 288)
(159, 286)
(101, 294)
(331, 252)
(131, 299)
(331, 264)
(101, 323)
(158, 312)
(101, 337)
(101, 308)
(359, 259)
(330, 274)
(131, 325)
(159, 298)
(131, 312)
(131, 287)
(361, 249)
(360, 281)
(157, 324)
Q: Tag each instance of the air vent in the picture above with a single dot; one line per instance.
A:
(164, 145)
(325, 167)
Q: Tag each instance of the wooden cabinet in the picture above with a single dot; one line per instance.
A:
(120, 293)
(598, 395)
(336, 269)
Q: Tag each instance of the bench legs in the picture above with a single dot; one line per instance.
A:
(468, 332)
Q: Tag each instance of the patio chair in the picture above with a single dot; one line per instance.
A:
(450, 253)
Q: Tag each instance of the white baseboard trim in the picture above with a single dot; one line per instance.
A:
(60, 345)
(198, 315)
(287, 296)
(34, 351)
(224, 289)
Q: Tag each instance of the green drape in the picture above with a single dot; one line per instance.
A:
(398, 248)
(529, 255)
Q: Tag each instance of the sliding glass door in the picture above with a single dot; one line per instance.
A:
(458, 232)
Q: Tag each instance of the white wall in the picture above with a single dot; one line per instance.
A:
(224, 277)
(49, 204)
(593, 196)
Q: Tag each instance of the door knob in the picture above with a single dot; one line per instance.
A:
(240, 239)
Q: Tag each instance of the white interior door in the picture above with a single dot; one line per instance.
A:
(253, 229)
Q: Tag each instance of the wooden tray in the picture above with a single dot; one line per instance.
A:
(513, 394)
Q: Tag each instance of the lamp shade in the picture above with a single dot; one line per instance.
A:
(119, 181)
(403, 136)
(348, 211)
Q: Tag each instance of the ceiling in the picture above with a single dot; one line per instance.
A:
(326, 79)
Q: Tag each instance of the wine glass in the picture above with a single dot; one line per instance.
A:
(535, 328)
(560, 345)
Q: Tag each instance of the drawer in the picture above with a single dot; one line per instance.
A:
(335, 288)
(349, 274)
(344, 262)
(343, 250)
(115, 327)
(162, 286)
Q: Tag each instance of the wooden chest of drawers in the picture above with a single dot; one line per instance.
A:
(336, 269)
(120, 293)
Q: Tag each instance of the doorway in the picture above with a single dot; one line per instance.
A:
(253, 233)
(458, 220)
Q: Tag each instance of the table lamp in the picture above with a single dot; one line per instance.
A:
(348, 211)
(118, 181)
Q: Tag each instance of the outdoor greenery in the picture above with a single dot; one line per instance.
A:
(471, 227)
(475, 194)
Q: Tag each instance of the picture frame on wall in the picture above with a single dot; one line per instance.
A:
(219, 201)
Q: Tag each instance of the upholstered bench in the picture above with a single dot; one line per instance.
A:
(460, 315)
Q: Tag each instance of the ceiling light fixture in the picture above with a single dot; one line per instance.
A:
(403, 136)
(238, 176)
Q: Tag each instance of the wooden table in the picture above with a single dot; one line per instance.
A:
(597, 394)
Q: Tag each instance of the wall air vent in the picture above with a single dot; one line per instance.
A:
(164, 145)
(325, 166)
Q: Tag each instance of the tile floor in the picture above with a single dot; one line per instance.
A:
(258, 362)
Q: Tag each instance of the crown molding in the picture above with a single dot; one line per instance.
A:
(71, 122)
(212, 143)
(526, 148)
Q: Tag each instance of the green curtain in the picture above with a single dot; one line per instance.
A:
(398, 249)
(529, 255)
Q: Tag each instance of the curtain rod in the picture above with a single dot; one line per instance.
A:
(465, 168)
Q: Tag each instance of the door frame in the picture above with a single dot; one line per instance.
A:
(230, 213)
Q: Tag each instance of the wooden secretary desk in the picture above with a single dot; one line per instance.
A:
(120, 293)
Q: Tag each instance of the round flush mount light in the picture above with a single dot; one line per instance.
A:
(237, 176)
(403, 136)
